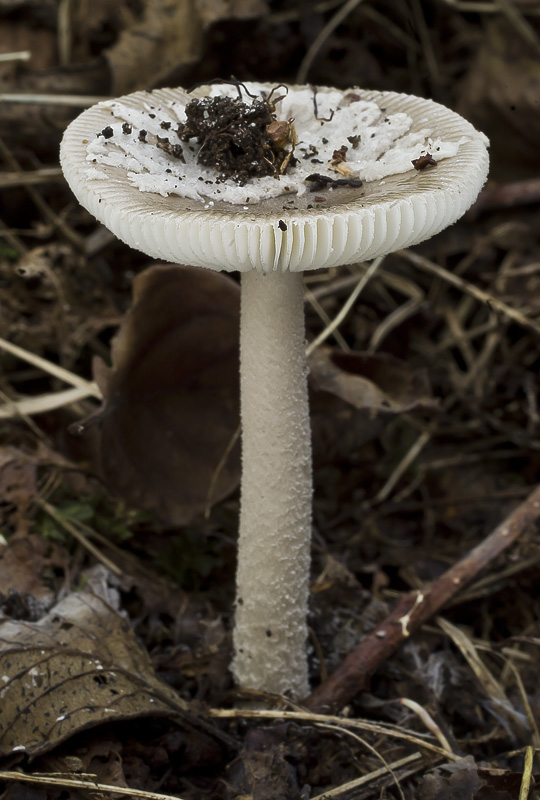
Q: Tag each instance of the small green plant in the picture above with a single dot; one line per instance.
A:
(189, 557)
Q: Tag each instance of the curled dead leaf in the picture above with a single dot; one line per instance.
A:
(380, 382)
(172, 397)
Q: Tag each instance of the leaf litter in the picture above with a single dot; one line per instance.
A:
(78, 666)
(402, 494)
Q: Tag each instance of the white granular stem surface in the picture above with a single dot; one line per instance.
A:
(386, 146)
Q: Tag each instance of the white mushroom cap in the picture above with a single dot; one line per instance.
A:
(291, 231)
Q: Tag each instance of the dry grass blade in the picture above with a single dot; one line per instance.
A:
(391, 28)
(394, 766)
(427, 46)
(519, 23)
(326, 32)
(88, 785)
(484, 297)
(489, 583)
(531, 719)
(218, 470)
(314, 303)
(416, 299)
(336, 322)
(48, 213)
(27, 406)
(16, 243)
(72, 100)
(428, 721)
(19, 55)
(491, 685)
(373, 750)
(527, 773)
(473, 7)
(394, 320)
(51, 368)
(408, 459)
(71, 528)
(9, 180)
(65, 34)
(392, 731)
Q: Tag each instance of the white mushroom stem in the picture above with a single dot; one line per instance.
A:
(275, 519)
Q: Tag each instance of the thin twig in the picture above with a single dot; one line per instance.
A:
(415, 608)
(496, 196)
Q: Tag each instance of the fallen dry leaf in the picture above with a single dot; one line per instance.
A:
(466, 779)
(381, 383)
(81, 665)
(172, 398)
(168, 35)
(463, 782)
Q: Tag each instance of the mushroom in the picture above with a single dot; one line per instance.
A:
(339, 176)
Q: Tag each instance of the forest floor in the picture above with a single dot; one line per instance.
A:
(117, 587)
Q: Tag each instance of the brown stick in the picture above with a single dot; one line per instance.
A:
(506, 195)
(414, 609)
